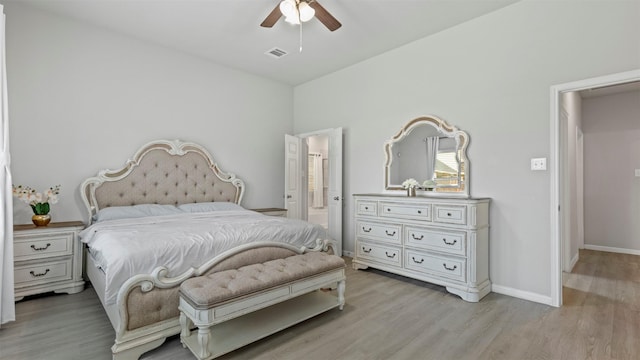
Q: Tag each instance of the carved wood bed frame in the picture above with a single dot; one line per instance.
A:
(166, 172)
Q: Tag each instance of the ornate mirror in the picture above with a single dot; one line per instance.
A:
(427, 148)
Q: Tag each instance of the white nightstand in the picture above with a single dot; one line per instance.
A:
(47, 258)
(272, 211)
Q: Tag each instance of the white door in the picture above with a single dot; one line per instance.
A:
(334, 196)
(565, 192)
(295, 180)
(292, 176)
(580, 186)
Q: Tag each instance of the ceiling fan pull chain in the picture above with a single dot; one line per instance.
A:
(301, 37)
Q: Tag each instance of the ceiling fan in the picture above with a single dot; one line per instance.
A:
(297, 11)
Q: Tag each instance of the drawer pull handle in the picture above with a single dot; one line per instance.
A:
(450, 243)
(387, 232)
(416, 261)
(40, 274)
(366, 230)
(365, 250)
(366, 208)
(419, 211)
(41, 248)
(448, 214)
(390, 256)
(449, 268)
(417, 238)
(389, 209)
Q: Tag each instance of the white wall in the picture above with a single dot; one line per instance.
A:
(491, 77)
(611, 127)
(82, 99)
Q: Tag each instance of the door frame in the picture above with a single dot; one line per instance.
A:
(556, 92)
(337, 228)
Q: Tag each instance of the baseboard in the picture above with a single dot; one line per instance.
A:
(612, 249)
(521, 294)
(347, 253)
(574, 261)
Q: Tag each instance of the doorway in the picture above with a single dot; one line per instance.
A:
(560, 182)
(313, 189)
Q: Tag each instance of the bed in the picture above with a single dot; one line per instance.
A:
(168, 215)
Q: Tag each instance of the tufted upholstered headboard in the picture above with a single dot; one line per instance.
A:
(162, 172)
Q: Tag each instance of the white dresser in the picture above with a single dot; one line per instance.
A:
(440, 240)
(47, 258)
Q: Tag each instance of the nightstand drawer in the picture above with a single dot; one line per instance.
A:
(42, 246)
(46, 272)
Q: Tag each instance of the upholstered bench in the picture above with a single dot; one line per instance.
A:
(233, 308)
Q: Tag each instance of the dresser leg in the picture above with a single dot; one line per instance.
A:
(358, 266)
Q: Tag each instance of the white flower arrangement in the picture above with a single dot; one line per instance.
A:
(410, 184)
(39, 201)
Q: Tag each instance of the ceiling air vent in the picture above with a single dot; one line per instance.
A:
(276, 53)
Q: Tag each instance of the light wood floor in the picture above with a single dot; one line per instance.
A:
(387, 317)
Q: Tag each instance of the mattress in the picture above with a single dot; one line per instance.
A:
(124, 248)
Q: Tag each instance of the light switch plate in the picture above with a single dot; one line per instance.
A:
(638, 172)
(539, 164)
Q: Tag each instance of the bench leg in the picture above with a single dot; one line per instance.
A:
(203, 340)
(341, 288)
(185, 325)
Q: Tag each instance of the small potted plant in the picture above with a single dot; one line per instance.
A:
(39, 202)
(429, 185)
(411, 185)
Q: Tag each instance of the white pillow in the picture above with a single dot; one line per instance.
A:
(135, 211)
(210, 206)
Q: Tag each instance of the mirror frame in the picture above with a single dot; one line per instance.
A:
(462, 142)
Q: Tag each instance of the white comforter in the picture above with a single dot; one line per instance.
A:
(124, 248)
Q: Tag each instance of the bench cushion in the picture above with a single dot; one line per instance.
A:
(209, 290)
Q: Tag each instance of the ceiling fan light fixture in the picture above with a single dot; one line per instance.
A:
(306, 12)
(299, 11)
(288, 8)
(295, 20)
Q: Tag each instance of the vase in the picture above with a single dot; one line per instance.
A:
(411, 191)
(41, 220)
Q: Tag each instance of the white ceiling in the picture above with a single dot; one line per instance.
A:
(228, 32)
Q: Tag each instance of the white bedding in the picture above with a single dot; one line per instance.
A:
(127, 247)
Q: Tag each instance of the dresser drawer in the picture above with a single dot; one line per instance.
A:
(46, 272)
(366, 207)
(380, 253)
(406, 211)
(449, 267)
(450, 214)
(389, 233)
(453, 242)
(42, 246)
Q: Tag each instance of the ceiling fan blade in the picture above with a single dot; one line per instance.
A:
(323, 15)
(272, 18)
